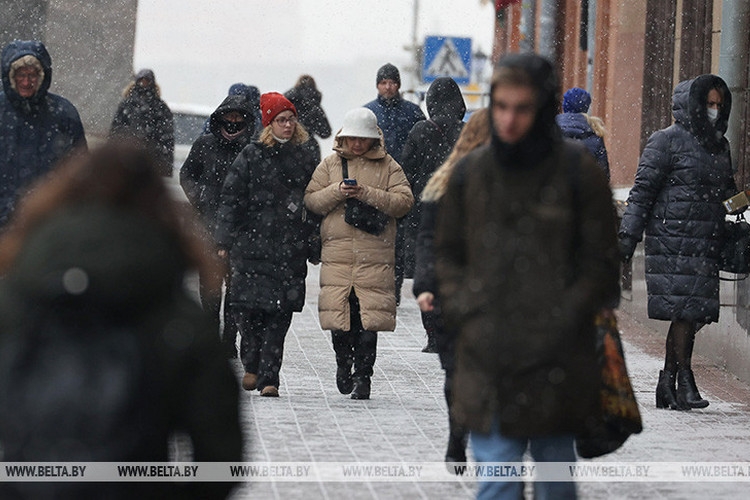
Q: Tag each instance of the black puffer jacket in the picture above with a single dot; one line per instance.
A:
(35, 132)
(263, 223)
(427, 146)
(683, 175)
(203, 173)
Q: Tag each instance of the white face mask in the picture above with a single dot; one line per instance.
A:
(713, 115)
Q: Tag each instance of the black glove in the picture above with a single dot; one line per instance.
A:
(627, 246)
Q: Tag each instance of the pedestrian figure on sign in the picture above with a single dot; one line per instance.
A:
(144, 116)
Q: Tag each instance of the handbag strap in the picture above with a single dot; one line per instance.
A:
(344, 167)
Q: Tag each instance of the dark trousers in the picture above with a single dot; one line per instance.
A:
(211, 302)
(262, 342)
(357, 347)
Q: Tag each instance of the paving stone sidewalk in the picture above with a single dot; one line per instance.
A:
(405, 419)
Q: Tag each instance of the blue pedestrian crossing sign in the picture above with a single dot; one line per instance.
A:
(447, 56)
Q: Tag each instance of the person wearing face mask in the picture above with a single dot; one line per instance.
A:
(231, 128)
(264, 229)
(684, 173)
(144, 116)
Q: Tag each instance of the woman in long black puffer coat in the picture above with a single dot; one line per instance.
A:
(263, 228)
(684, 174)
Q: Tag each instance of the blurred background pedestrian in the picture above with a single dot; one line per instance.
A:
(576, 123)
(37, 128)
(143, 115)
(307, 98)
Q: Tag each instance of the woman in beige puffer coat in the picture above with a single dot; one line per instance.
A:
(357, 273)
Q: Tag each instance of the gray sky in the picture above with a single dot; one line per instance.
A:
(197, 48)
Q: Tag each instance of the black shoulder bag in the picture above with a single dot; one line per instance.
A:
(735, 249)
(361, 215)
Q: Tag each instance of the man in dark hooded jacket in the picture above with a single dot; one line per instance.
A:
(143, 115)
(526, 254)
(427, 146)
(232, 127)
(37, 127)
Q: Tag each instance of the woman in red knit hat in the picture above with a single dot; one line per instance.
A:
(263, 229)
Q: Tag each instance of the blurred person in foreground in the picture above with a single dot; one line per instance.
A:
(202, 177)
(263, 229)
(476, 133)
(526, 255)
(143, 115)
(356, 276)
(396, 117)
(37, 128)
(427, 146)
(684, 174)
(576, 123)
(103, 355)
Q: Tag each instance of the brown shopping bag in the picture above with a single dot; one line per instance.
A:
(619, 415)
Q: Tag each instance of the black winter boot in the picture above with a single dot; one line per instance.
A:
(361, 387)
(365, 352)
(687, 391)
(665, 393)
(342, 346)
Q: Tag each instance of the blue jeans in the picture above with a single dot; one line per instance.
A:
(494, 447)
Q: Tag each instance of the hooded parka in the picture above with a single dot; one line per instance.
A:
(203, 173)
(526, 253)
(263, 223)
(35, 132)
(427, 146)
(683, 175)
(351, 258)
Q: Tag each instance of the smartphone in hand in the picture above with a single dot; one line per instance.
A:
(350, 182)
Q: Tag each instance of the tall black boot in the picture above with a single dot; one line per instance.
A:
(665, 393)
(342, 346)
(687, 391)
(365, 351)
